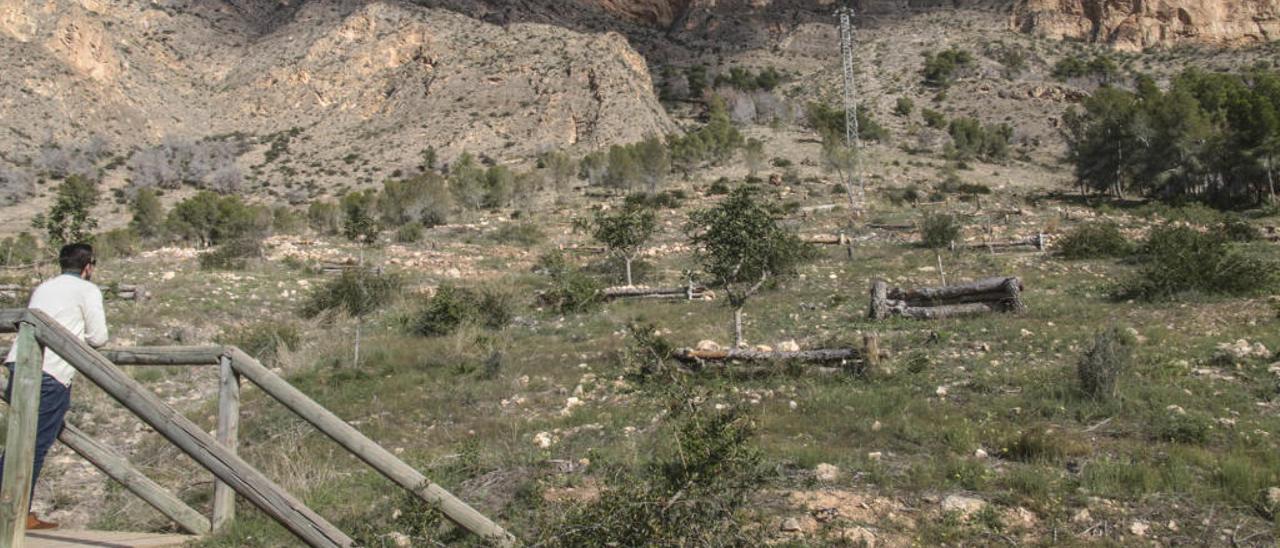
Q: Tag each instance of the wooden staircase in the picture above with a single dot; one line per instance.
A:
(216, 454)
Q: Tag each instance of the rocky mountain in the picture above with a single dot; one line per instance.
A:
(374, 83)
(1133, 25)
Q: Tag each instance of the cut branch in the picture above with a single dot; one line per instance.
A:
(952, 301)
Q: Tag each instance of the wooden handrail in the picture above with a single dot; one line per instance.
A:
(159, 355)
(369, 451)
(219, 456)
(191, 439)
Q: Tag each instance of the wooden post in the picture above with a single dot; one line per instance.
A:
(191, 439)
(20, 443)
(367, 450)
(871, 353)
(224, 498)
(119, 469)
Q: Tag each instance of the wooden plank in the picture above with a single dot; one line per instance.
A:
(195, 442)
(224, 498)
(161, 355)
(371, 453)
(9, 318)
(20, 443)
(99, 539)
(118, 468)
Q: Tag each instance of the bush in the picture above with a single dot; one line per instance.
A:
(1179, 259)
(1094, 240)
(1103, 363)
(323, 217)
(693, 493)
(20, 250)
(209, 219)
(452, 307)
(519, 234)
(410, 233)
(233, 255)
(264, 340)
(934, 119)
(356, 292)
(114, 244)
(571, 289)
(938, 230)
(1179, 426)
(904, 106)
(940, 69)
(830, 121)
(719, 187)
(1236, 229)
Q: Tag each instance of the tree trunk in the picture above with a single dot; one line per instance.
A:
(628, 261)
(941, 273)
(737, 327)
(356, 358)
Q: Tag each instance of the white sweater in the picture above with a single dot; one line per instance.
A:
(77, 305)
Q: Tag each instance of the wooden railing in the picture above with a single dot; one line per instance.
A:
(216, 454)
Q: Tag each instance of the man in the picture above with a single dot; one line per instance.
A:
(75, 303)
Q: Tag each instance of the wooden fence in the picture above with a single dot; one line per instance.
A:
(217, 453)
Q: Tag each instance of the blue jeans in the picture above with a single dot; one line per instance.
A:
(55, 400)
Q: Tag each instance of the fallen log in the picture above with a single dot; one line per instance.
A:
(122, 291)
(1000, 294)
(825, 239)
(1037, 241)
(814, 209)
(329, 267)
(905, 227)
(688, 292)
(689, 355)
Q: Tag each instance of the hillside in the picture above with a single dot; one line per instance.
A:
(474, 155)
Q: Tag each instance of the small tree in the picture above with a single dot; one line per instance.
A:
(69, 219)
(625, 232)
(753, 155)
(358, 221)
(560, 169)
(842, 159)
(148, 214)
(1103, 363)
(937, 233)
(357, 293)
(654, 162)
(743, 248)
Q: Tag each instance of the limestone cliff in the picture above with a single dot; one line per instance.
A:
(1133, 25)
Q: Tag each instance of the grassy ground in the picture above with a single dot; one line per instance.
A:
(1185, 453)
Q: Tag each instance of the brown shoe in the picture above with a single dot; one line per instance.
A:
(34, 523)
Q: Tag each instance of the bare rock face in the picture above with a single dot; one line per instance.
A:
(1133, 25)
(379, 80)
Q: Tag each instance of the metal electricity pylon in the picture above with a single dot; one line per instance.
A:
(846, 14)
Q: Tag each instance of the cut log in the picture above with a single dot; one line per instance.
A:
(814, 209)
(825, 239)
(952, 301)
(1037, 242)
(689, 355)
(689, 292)
(906, 227)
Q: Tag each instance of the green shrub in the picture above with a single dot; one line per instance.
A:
(357, 293)
(1094, 240)
(232, 255)
(324, 217)
(934, 119)
(1179, 426)
(719, 187)
(409, 233)
(939, 229)
(264, 340)
(1103, 363)
(940, 69)
(693, 493)
(210, 219)
(571, 289)
(1235, 229)
(904, 107)
(519, 234)
(19, 250)
(114, 244)
(452, 307)
(1179, 259)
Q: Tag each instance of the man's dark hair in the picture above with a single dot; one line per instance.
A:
(74, 257)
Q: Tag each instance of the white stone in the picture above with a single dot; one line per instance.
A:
(941, 391)
(789, 346)
(827, 472)
(543, 440)
(876, 426)
(980, 453)
(790, 525)
(793, 405)
(707, 346)
(400, 540)
(874, 455)
(1139, 528)
(966, 506)
(764, 348)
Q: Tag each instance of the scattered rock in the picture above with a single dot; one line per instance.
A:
(543, 440)
(790, 525)
(789, 346)
(1273, 496)
(859, 536)
(876, 426)
(874, 455)
(980, 453)
(827, 472)
(966, 506)
(400, 540)
(707, 346)
(941, 391)
(764, 348)
(1139, 528)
